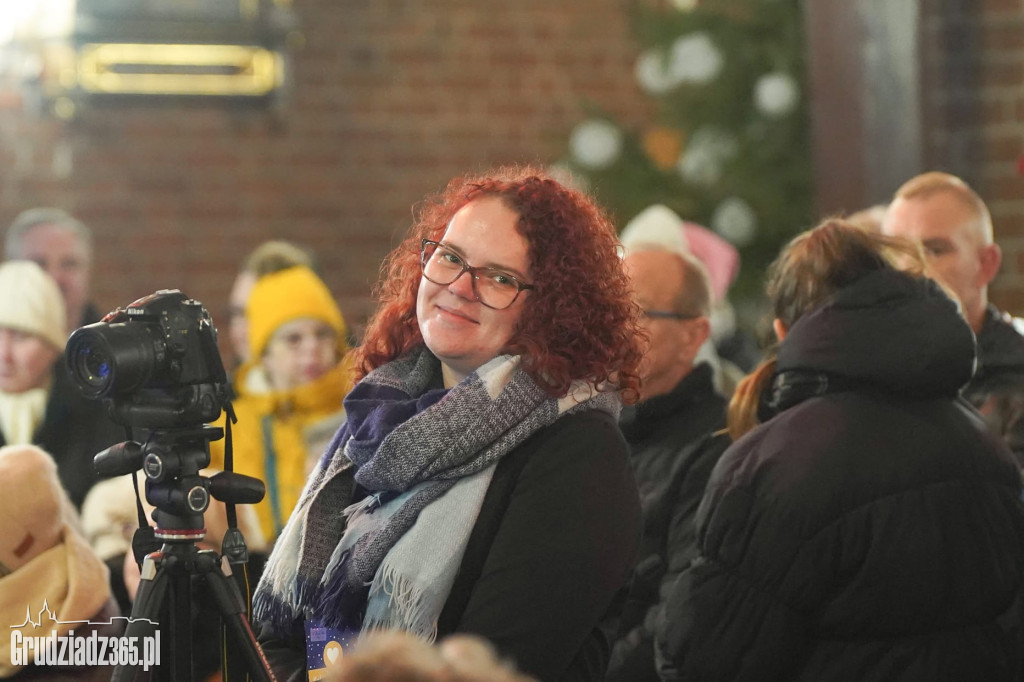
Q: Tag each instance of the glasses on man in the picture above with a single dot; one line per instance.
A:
(494, 288)
(668, 315)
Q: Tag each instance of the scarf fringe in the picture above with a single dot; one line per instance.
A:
(277, 614)
(282, 613)
(337, 600)
(405, 605)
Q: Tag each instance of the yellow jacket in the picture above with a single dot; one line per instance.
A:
(296, 424)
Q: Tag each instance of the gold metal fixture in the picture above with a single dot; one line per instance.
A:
(179, 69)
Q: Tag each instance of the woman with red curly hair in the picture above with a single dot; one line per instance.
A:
(480, 483)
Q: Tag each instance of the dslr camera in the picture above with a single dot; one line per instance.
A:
(156, 366)
(154, 363)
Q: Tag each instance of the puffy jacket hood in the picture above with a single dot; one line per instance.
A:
(888, 330)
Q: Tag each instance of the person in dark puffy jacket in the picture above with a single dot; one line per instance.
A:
(870, 528)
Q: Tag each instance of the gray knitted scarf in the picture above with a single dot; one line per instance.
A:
(426, 458)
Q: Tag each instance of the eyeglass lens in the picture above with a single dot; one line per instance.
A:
(493, 288)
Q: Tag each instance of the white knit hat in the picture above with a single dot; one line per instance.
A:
(656, 225)
(31, 301)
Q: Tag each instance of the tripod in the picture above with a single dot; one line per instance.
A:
(166, 578)
(165, 589)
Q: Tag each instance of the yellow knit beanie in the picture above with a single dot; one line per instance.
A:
(288, 295)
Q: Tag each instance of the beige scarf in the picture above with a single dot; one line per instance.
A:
(71, 581)
(21, 414)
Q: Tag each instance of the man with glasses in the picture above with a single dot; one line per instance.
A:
(675, 434)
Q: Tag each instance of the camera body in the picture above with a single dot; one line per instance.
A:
(155, 363)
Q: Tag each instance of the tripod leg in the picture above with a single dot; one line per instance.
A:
(180, 612)
(164, 593)
(232, 608)
(149, 601)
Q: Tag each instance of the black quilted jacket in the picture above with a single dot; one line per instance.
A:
(872, 529)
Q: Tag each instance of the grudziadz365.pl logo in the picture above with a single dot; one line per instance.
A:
(38, 641)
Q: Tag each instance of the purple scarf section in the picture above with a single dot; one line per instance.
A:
(371, 413)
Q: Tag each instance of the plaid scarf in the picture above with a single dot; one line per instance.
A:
(426, 457)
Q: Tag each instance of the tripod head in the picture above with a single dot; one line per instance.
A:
(171, 460)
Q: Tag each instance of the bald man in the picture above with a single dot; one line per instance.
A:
(954, 226)
(675, 437)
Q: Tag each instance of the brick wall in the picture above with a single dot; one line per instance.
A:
(390, 99)
(393, 97)
(972, 96)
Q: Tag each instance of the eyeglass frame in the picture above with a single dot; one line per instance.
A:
(472, 270)
(668, 315)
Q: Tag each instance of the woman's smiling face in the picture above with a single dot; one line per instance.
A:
(462, 332)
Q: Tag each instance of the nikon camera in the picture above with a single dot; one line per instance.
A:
(154, 363)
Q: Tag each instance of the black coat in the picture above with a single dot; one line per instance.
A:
(997, 387)
(554, 543)
(675, 440)
(73, 430)
(872, 529)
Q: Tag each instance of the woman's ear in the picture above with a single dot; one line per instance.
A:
(780, 329)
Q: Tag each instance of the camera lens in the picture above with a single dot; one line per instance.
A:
(92, 367)
(108, 359)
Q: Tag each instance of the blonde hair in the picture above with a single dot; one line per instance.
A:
(809, 271)
(399, 656)
(928, 184)
(870, 218)
(276, 255)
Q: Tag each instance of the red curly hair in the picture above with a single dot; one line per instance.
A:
(580, 322)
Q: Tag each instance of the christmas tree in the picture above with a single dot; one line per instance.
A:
(730, 145)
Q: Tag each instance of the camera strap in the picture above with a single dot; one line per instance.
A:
(229, 459)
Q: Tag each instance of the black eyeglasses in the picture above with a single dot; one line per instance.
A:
(668, 315)
(494, 288)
